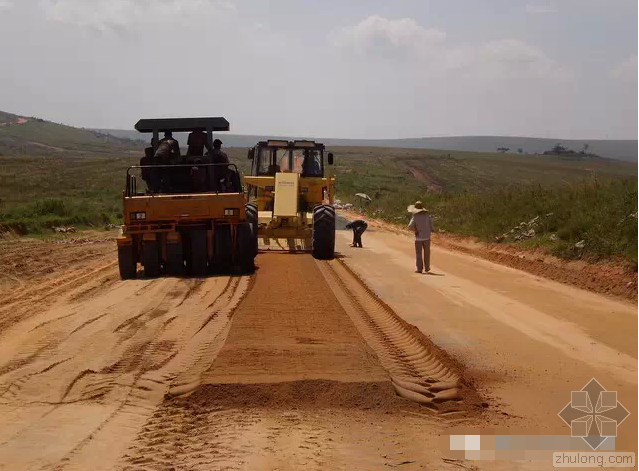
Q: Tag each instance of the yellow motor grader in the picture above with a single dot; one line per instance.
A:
(291, 191)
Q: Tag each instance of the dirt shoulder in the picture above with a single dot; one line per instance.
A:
(610, 278)
(27, 261)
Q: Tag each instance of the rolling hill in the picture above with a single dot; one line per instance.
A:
(612, 149)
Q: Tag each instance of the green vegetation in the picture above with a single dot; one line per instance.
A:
(44, 192)
(52, 175)
(487, 195)
(39, 193)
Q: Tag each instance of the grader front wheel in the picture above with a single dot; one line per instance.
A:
(324, 232)
(252, 220)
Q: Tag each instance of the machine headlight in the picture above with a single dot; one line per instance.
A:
(229, 212)
(269, 188)
(138, 216)
(304, 189)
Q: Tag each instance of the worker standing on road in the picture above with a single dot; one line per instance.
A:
(422, 225)
(358, 226)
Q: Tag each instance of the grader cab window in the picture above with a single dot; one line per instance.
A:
(282, 159)
(307, 162)
(264, 161)
(272, 160)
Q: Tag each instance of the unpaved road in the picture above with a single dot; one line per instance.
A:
(298, 366)
(525, 342)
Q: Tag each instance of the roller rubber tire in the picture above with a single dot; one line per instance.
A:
(126, 262)
(223, 251)
(174, 259)
(245, 248)
(150, 259)
(198, 256)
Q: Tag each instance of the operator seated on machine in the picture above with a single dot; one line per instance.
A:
(198, 176)
(223, 179)
(311, 166)
(197, 141)
(146, 161)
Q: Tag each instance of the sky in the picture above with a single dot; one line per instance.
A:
(357, 69)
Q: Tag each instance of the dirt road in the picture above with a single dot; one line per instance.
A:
(298, 366)
(270, 371)
(525, 342)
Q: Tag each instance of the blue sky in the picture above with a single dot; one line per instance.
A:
(362, 69)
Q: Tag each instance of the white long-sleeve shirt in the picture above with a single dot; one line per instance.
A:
(422, 225)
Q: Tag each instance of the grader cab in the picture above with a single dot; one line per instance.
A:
(291, 189)
(186, 216)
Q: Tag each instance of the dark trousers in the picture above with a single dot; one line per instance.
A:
(357, 236)
(422, 246)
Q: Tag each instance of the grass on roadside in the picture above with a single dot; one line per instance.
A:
(482, 195)
(487, 195)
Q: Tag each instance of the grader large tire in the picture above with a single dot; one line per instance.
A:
(174, 259)
(198, 256)
(245, 257)
(150, 259)
(126, 262)
(324, 232)
(252, 219)
(223, 251)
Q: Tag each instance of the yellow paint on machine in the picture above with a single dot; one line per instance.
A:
(286, 194)
(183, 208)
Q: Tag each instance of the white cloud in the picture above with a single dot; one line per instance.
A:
(381, 36)
(6, 5)
(124, 14)
(539, 9)
(432, 55)
(513, 58)
(627, 71)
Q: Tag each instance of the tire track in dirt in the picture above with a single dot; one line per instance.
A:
(186, 359)
(417, 371)
(294, 372)
(70, 279)
(120, 362)
(19, 307)
(228, 438)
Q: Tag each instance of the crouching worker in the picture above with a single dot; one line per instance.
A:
(358, 227)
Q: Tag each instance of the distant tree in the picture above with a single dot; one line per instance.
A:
(503, 149)
(559, 149)
(520, 150)
(585, 149)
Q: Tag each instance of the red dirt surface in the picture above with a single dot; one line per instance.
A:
(610, 278)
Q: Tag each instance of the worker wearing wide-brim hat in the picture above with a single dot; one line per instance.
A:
(422, 225)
